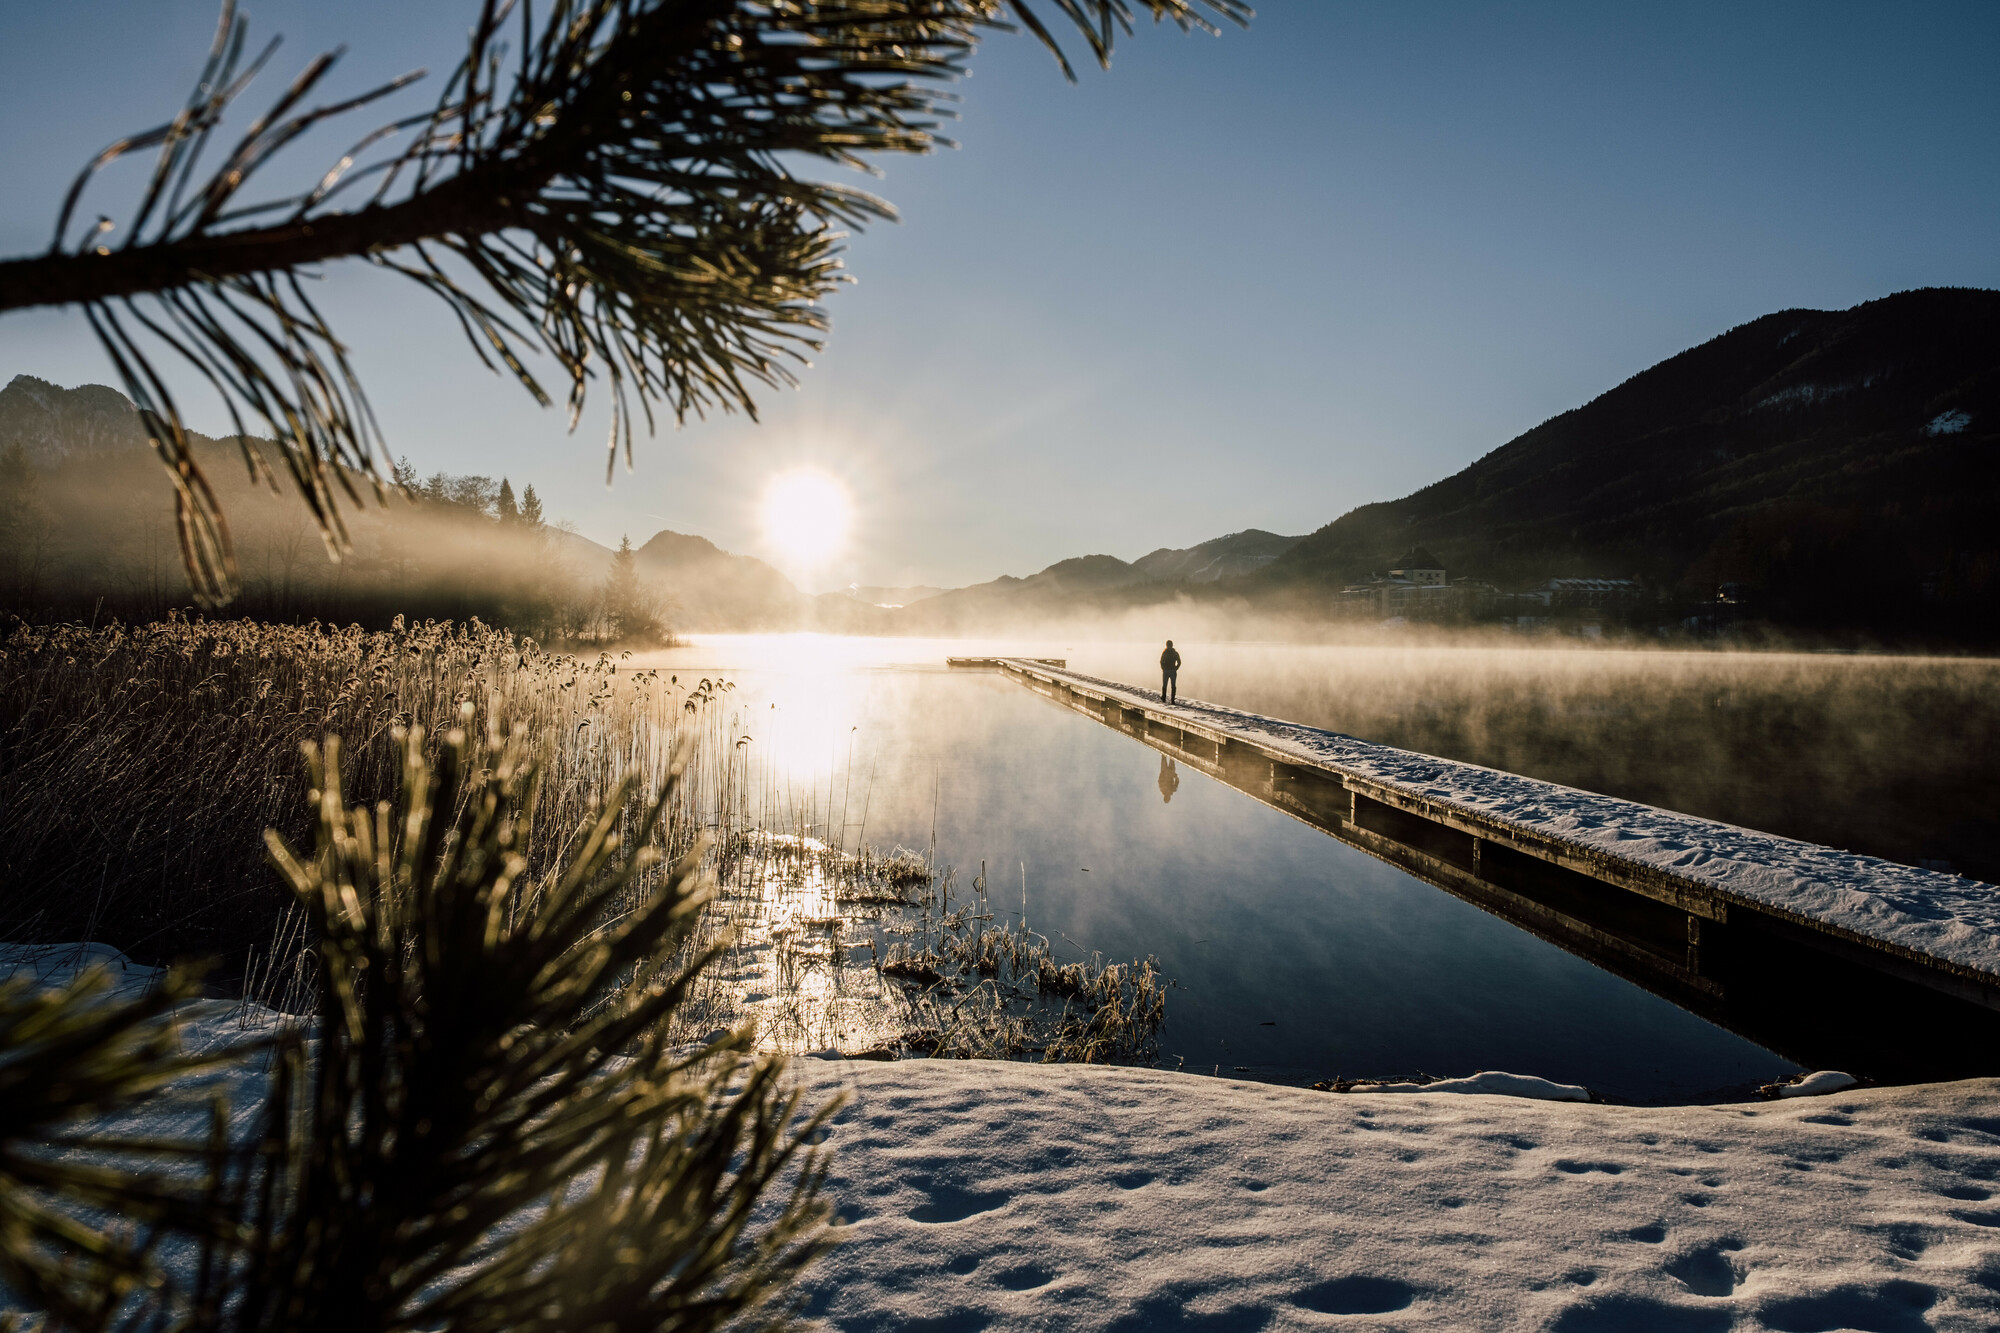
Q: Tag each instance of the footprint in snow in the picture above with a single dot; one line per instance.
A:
(1906, 1240)
(1892, 1307)
(1708, 1270)
(1641, 1314)
(1570, 1166)
(949, 1203)
(1359, 1294)
(1989, 1217)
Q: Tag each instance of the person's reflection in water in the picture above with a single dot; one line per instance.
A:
(1170, 779)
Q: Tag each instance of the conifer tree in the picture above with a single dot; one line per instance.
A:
(628, 609)
(509, 512)
(531, 508)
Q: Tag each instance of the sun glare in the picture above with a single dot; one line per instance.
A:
(806, 517)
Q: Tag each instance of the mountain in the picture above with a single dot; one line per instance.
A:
(53, 423)
(1832, 470)
(1218, 558)
(1088, 585)
(1098, 579)
(86, 518)
(1845, 465)
(716, 592)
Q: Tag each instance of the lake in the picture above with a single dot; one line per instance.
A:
(1297, 958)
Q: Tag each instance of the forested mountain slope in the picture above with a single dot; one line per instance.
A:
(1843, 465)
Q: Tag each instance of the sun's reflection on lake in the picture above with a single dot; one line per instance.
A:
(791, 967)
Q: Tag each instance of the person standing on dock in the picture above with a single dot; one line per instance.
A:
(1170, 671)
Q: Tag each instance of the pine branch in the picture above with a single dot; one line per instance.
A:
(617, 197)
(495, 1134)
(481, 1127)
(68, 1055)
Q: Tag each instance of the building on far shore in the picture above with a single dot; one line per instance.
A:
(1591, 594)
(1421, 569)
(1417, 589)
(1420, 589)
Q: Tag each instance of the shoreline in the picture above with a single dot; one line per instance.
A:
(977, 1194)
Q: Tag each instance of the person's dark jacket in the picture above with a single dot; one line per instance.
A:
(1170, 661)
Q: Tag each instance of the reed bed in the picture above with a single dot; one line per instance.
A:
(978, 985)
(140, 765)
(879, 955)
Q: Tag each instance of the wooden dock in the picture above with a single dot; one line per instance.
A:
(997, 663)
(1816, 991)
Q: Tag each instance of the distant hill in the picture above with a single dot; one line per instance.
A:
(1228, 557)
(1090, 584)
(1843, 465)
(52, 423)
(717, 590)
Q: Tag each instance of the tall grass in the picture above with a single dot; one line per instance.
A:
(139, 766)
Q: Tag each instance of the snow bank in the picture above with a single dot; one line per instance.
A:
(1818, 1085)
(977, 1195)
(995, 1196)
(54, 966)
(1922, 910)
(204, 1024)
(1490, 1083)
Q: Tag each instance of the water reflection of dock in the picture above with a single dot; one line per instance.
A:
(1832, 959)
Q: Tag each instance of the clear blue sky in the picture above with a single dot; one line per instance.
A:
(1253, 281)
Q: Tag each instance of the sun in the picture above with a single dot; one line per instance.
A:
(807, 515)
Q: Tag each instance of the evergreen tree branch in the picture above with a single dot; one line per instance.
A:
(617, 196)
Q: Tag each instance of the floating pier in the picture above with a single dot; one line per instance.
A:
(1831, 958)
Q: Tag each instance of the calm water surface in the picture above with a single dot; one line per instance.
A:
(1296, 957)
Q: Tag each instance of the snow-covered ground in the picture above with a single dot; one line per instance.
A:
(1924, 910)
(977, 1195)
(1064, 1197)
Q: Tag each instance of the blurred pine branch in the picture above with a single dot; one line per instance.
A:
(482, 1126)
(69, 1055)
(613, 192)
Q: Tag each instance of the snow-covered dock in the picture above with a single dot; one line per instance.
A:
(1706, 912)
